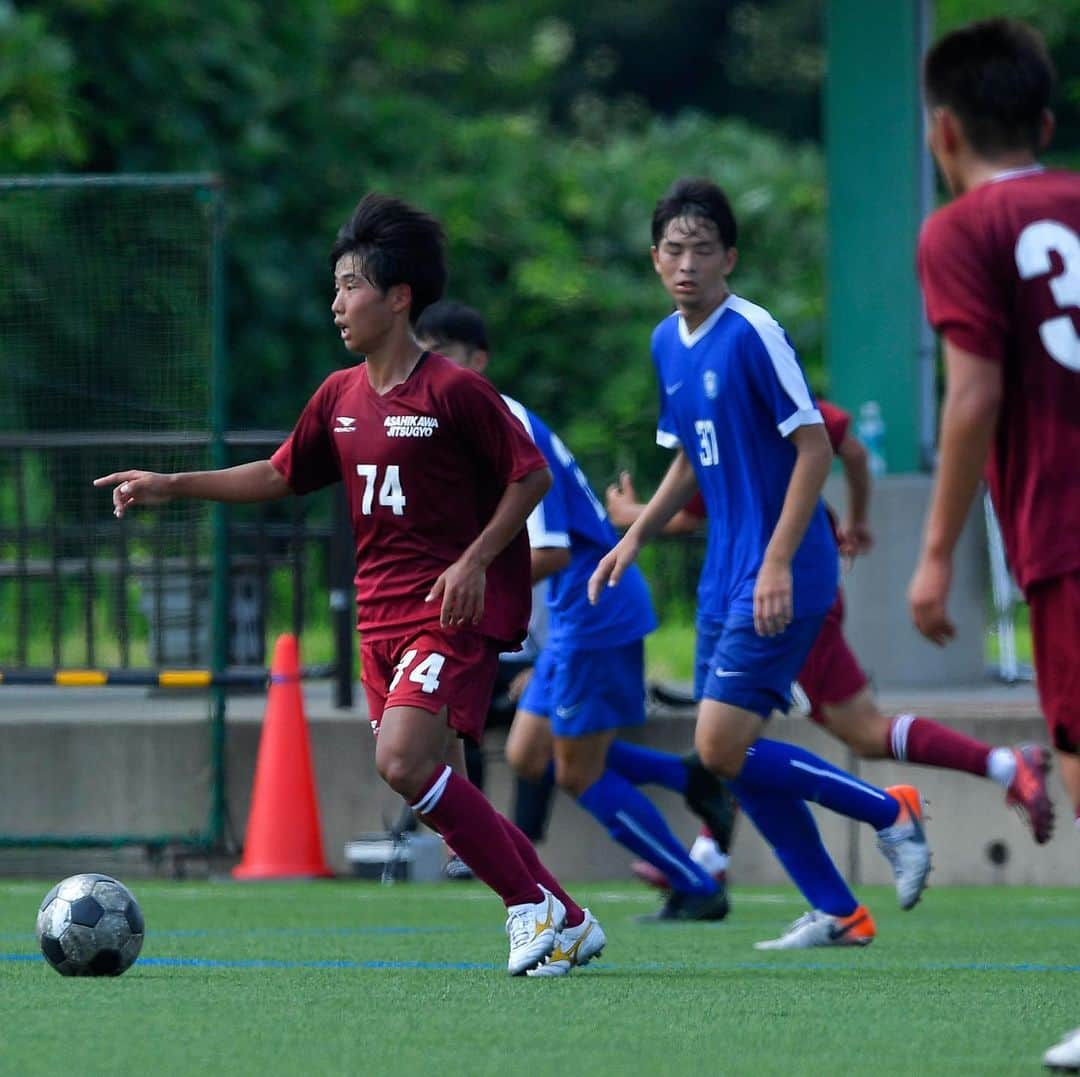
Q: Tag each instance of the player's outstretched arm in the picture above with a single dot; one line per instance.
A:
(855, 534)
(256, 481)
(461, 587)
(623, 509)
(676, 488)
(968, 420)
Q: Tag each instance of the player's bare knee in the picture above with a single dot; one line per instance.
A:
(405, 775)
(723, 760)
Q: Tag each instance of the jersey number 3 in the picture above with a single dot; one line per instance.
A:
(390, 492)
(1033, 249)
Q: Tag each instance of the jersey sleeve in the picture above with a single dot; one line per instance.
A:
(666, 431)
(778, 377)
(837, 423)
(548, 523)
(964, 300)
(485, 423)
(306, 459)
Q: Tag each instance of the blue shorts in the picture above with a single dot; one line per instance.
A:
(733, 664)
(588, 691)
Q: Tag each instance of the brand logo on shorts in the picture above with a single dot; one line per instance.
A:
(565, 713)
(346, 424)
(410, 426)
(729, 673)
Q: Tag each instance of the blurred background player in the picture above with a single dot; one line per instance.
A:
(1000, 270)
(589, 680)
(836, 687)
(735, 407)
(440, 479)
(1000, 273)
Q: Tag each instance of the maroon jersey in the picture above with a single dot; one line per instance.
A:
(837, 422)
(1000, 270)
(424, 467)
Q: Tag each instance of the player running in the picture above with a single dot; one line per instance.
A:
(838, 690)
(735, 407)
(588, 684)
(440, 479)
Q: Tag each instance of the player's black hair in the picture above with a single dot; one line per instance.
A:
(997, 77)
(395, 243)
(449, 321)
(694, 196)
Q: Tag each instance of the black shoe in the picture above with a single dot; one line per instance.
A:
(688, 907)
(711, 799)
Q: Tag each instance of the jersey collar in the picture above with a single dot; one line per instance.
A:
(1015, 173)
(690, 339)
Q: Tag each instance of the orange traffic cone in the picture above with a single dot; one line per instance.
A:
(283, 838)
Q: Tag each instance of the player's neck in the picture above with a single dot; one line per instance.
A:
(699, 315)
(390, 364)
(977, 171)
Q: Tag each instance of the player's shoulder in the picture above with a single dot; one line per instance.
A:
(533, 424)
(666, 331)
(750, 323)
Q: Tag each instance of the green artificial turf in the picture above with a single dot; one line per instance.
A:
(348, 977)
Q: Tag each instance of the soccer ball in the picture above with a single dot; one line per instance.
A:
(90, 925)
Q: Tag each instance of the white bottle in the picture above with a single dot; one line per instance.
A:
(870, 430)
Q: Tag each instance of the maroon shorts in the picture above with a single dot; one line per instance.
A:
(432, 669)
(831, 673)
(1055, 639)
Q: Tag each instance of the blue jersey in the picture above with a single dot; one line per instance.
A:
(730, 394)
(571, 517)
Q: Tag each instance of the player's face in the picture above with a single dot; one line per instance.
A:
(457, 352)
(362, 313)
(693, 265)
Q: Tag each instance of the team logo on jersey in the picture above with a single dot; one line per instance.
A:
(410, 426)
(346, 424)
(708, 380)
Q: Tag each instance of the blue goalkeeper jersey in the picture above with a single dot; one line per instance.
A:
(730, 393)
(571, 516)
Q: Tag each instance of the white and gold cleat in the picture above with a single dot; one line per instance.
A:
(532, 930)
(574, 947)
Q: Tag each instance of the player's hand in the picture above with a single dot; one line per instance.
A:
(927, 594)
(136, 488)
(621, 501)
(854, 538)
(773, 601)
(516, 688)
(461, 590)
(611, 568)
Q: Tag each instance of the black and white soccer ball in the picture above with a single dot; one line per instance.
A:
(90, 925)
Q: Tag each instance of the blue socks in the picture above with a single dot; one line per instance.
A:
(791, 773)
(789, 828)
(633, 821)
(644, 766)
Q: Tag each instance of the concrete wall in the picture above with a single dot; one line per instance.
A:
(876, 588)
(123, 777)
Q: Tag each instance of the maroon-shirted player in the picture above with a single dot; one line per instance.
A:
(440, 479)
(837, 688)
(1000, 271)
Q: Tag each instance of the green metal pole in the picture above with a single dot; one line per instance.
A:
(219, 388)
(878, 185)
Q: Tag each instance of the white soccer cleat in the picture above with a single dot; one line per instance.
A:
(904, 845)
(1065, 1056)
(574, 947)
(816, 928)
(532, 930)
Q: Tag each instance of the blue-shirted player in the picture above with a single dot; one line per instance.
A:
(588, 682)
(736, 408)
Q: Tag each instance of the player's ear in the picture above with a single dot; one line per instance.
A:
(478, 361)
(1047, 126)
(731, 257)
(655, 258)
(401, 298)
